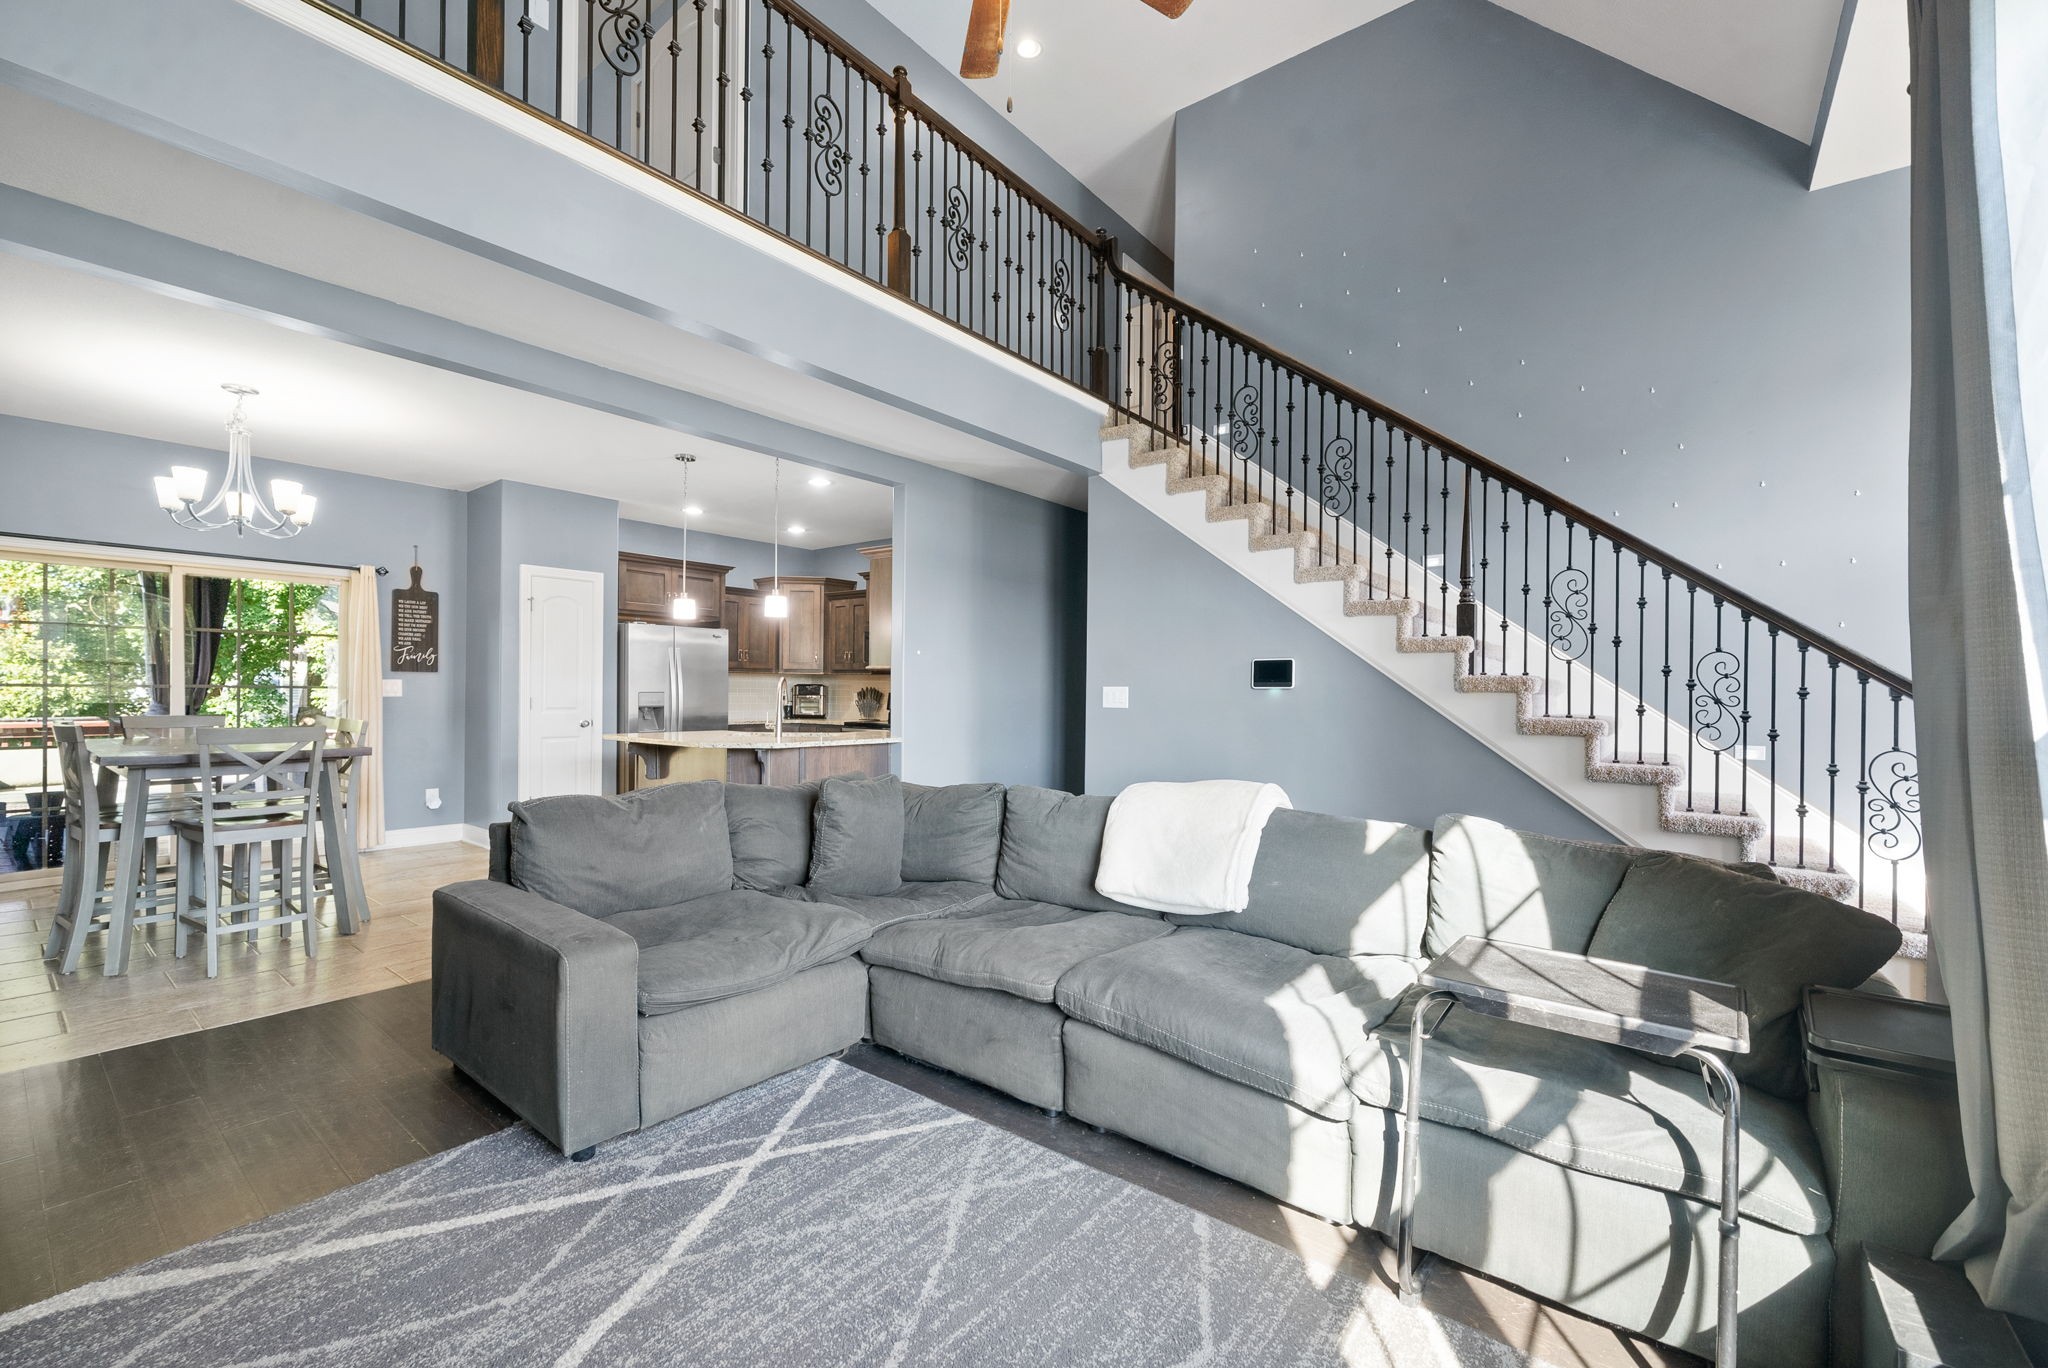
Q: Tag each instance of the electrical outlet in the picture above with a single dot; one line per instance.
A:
(394, 688)
(1116, 696)
(433, 800)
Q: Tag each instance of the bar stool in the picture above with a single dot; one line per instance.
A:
(92, 824)
(258, 788)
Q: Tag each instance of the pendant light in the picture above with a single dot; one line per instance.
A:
(682, 607)
(776, 605)
(237, 504)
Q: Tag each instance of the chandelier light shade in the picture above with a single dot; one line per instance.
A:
(682, 607)
(237, 504)
(776, 605)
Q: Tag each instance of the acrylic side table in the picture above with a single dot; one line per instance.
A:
(1620, 1004)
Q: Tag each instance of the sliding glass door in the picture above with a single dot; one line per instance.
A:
(86, 642)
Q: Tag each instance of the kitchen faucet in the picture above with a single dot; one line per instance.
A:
(781, 694)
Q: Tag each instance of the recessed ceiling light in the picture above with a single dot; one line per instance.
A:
(1027, 48)
(820, 481)
(796, 529)
(693, 512)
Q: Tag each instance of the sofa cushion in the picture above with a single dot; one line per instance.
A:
(1255, 1011)
(1486, 880)
(732, 942)
(857, 835)
(1335, 886)
(651, 848)
(1052, 845)
(1600, 1109)
(770, 827)
(952, 833)
(1690, 917)
(908, 902)
(1021, 948)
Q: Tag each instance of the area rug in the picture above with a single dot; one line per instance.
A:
(826, 1217)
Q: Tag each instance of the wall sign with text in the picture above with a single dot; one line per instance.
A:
(415, 629)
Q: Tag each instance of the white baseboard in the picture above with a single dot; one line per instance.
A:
(477, 836)
(427, 835)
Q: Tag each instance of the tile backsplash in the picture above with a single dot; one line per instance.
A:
(753, 695)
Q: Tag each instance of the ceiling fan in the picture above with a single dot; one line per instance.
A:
(988, 19)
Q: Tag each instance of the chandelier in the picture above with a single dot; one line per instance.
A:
(236, 504)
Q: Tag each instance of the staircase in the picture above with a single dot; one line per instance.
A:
(1631, 765)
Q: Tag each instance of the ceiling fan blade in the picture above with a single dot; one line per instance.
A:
(984, 50)
(1172, 9)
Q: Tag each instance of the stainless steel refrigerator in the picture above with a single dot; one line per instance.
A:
(672, 678)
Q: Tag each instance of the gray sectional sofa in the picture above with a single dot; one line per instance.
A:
(632, 958)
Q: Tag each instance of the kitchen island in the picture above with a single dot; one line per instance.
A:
(753, 757)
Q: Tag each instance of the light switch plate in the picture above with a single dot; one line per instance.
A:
(537, 10)
(1116, 696)
(394, 688)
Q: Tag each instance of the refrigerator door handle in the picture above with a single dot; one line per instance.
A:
(675, 686)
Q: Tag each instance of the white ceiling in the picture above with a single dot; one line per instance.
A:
(90, 352)
(1102, 97)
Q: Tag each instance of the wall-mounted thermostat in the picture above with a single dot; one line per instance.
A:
(1272, 674)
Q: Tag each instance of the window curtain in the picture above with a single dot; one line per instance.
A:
(1979, 601)
(206, 613)
(362, 696)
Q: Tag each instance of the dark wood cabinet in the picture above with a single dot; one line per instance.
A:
(648, 586)
(799, 639)
(846, 633)
(751, 637)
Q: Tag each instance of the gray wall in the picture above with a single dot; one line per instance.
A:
(1180, 629)
(1472, 218)
(83, 485)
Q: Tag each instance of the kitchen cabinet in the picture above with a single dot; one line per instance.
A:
(881, 607)
(800, 638)
(750, 634)
(649, 584)
(846, 633)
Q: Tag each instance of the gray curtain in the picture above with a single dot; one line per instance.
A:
(1979, 603)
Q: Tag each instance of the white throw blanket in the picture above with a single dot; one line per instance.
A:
(1185, 848)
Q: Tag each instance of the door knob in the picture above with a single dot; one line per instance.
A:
(584, 723)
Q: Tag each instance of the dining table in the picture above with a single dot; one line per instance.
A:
(146, 762)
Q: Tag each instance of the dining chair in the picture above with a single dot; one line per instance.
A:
(92, 826)
(141, 726)
(342, 731)
(258, 790)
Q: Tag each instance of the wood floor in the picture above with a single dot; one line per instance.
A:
(46, 1016)
(115, 1158)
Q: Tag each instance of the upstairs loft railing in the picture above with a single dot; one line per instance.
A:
(757, 107)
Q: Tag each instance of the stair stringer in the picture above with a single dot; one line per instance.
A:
(1632, 812)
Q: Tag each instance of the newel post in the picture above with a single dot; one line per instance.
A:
(1099, 380)
(1468, 607)
(896, 248)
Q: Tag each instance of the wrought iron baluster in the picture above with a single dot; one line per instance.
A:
(1664, 706)
(1863, 788)
(1772, 737)
(1834, 764)
(1642, 655)
(1804, 693)
(1692, 697)
(1615, 730)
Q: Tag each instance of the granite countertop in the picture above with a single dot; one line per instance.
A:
(739, 740)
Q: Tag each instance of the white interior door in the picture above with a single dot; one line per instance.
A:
(561, 681)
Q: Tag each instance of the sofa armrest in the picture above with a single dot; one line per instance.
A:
(1891, 1137)
(539, 1004)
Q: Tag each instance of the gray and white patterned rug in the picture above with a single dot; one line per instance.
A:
(824, 1217)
